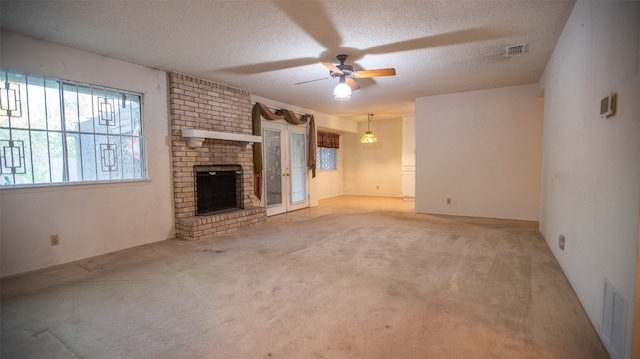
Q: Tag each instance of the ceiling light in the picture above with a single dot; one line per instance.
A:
(342, 91)
(368, 136)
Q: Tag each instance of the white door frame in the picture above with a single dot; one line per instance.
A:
(284, 172)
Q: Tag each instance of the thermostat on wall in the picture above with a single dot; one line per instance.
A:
(608, 106)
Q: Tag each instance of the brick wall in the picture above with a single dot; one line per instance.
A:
(204, 105)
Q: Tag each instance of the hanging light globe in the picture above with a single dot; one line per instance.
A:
(368, 136)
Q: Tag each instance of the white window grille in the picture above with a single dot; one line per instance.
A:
(327, 159)
(54, 131)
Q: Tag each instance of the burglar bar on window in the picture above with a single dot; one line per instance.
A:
(108, 157)
(106, 112)
(10, 100)
(13, 157)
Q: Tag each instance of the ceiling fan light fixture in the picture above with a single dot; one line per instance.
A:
(342, 91)
(368, 136)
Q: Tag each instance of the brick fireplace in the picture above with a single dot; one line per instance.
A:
(203, 105)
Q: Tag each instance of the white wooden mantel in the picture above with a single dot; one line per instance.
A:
(196, 137)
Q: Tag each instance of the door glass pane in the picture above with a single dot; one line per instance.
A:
(298, 168)
(272, 167)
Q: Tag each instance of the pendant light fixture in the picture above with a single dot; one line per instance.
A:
(368, 136)
(342, 92)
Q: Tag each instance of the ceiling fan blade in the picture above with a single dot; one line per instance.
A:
(352, 83)
(374, 73)
(304, 82)
(331, 67)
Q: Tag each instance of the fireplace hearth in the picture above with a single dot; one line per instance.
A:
(218, 189)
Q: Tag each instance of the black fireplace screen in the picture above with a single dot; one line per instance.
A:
(218, 189)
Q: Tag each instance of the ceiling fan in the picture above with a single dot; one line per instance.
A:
(347, 74)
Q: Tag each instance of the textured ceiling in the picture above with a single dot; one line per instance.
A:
(265, 47)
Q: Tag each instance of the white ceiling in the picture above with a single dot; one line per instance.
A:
(264, 47)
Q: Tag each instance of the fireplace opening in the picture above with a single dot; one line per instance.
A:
(218, 189)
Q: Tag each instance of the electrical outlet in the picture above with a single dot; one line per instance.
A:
(448, 200)
(55, 239)
(561, 241)
(377, 187)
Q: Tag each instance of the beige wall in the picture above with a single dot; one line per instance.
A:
(409, 157)
(591, 166)
(90, 219)
(331, 183)
(374, 169)
(483, 150)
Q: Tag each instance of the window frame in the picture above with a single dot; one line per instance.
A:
(320, 162)
(131, 143)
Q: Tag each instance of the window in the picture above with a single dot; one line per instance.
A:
(55, 131)
(326, 159)
(328, 144)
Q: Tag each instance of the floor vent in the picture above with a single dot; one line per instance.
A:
(515, 50)
(614, 321)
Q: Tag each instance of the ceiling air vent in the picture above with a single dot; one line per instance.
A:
(515, 50)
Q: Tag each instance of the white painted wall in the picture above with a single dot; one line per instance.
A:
(591, 166)
(409, 157)
(330, 183)
(90, 219)
(374, 169)
(483, 150)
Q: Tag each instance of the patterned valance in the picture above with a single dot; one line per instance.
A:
(328, 140)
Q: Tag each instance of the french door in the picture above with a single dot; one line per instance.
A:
(284, 149)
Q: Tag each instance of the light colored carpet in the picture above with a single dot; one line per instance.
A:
(327, 282)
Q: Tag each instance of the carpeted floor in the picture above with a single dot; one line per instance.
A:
(333, 281)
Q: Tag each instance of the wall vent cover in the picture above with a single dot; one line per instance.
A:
(515, 50)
